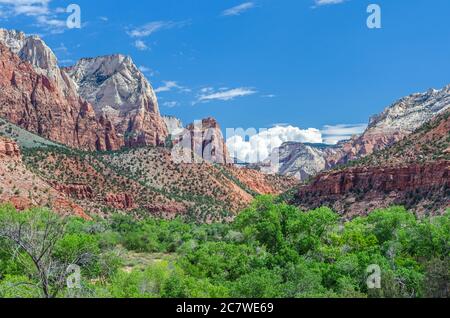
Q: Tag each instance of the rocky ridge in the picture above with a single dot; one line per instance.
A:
(414, 172)
(102, 103)
(33, 49)
(392, 125)
(201, 141)
(34, 102)
(106, 98)
(24, 189)
(120, 92)
(174, 125)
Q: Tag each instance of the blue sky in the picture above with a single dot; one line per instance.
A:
(258, 63)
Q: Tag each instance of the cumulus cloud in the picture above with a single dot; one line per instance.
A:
(260, 144)
(239, 9)
(208, 94)
(333, 134)
(255, 146)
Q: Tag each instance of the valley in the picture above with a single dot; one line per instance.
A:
(93, 175)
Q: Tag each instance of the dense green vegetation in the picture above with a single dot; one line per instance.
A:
(270, 250)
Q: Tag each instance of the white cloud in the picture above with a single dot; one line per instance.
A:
(238, 10)
(147, 70)
(170, 85)
(170, 104)
(259, 146)
(155, 26)
(333, 134)
(140, 45)
(327, 2)
(46, 18)
(205, 90)
(26, 7)
(225, 95)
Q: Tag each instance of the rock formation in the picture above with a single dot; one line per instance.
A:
(103, 103)
(201, 141)
(9, 149)
(24, 189)
(174, 125)
(33, 102)
(414, 172)
(120, 92)
(33, 49)
(392, 125)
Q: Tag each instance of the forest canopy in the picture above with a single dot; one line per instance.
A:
(271, 249)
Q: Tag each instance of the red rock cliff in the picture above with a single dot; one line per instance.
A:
(357, 190)
(33, 102)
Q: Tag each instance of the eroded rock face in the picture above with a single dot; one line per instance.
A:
(23, 189)
(382, 179)
(76, 191)
(359, 190)
(394, 124)
(411, 112)
(103, 103)
(413, 172)
(33, 49)
(298, 160)
(174, 125)
(9, 148)
(120, 92)
(123, 201)
(201, 141)
(33, 102)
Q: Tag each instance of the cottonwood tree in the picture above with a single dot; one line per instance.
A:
(31, 239)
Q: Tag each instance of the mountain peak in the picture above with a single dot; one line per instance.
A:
(123, 100)
(33, 49)
(409, 113)
(30, 48)
(113, 82)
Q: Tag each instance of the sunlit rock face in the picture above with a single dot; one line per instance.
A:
(120, 92)
(395, 123)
